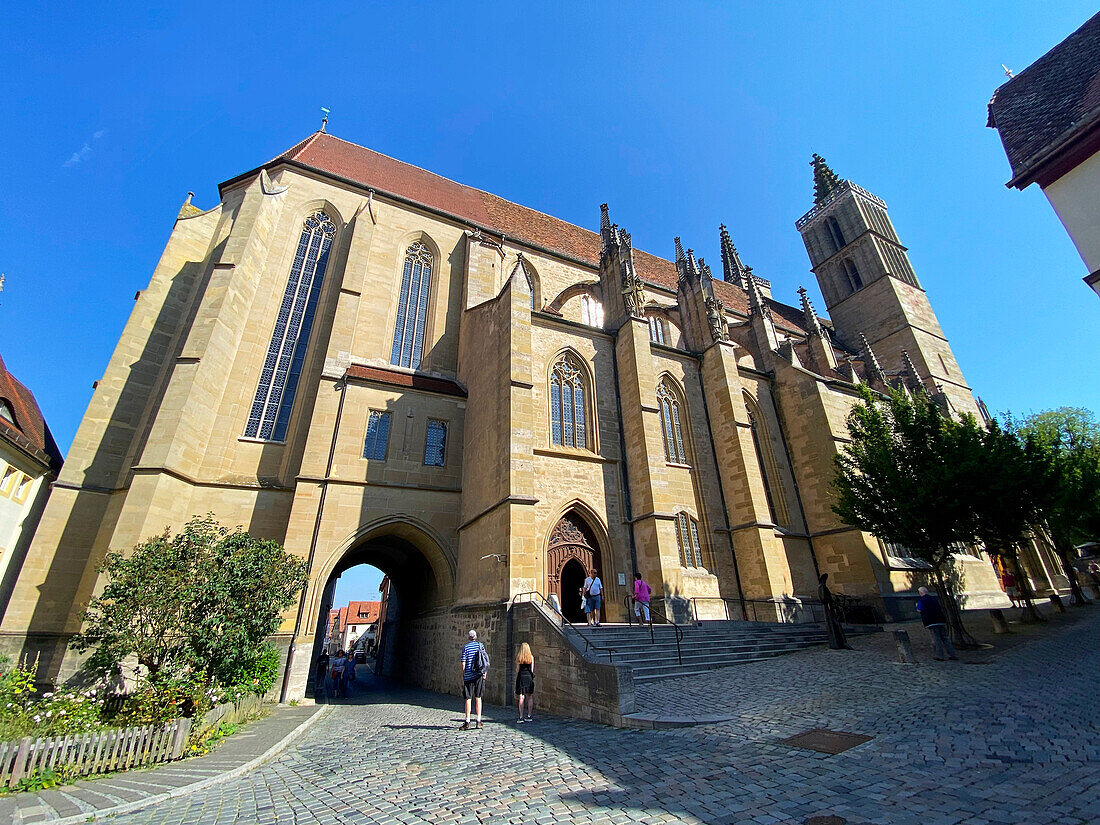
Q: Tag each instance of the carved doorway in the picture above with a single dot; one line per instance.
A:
(571, 553)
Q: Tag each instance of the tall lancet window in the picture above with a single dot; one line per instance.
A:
(568, 404)
(286, 353)
(412, 306)
(669, 406)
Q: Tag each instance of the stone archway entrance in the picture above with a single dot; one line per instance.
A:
(571, 552)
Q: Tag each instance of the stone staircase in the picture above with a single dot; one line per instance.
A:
(705, 646)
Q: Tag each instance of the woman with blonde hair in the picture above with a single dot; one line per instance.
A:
(525, 681)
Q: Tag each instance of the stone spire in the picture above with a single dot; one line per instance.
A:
(870, 362)
(812, 322)
(733, 271)
(909, 371)
(679, 250)
(825, 179)
(757, 304)
(821, 348)
(605, 226)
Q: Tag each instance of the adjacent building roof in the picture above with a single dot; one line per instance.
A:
(357, 613)
(339, 158)
(27, 431)
(1047, 113)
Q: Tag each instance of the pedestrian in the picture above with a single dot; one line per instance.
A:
(339, 687)
(1011, 590)
(475, 664)
(349, 670)
(641, 598)
(593, 591)
(833, 630)
(931, 613)
(322, 674)
(525, 682)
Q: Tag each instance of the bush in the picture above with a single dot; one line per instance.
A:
(254, 679)
(23, 713)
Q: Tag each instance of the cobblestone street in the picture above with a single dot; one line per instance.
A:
(987, 741)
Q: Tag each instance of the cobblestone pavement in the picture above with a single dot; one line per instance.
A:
(987, 741)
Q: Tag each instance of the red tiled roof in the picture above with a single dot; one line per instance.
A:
(355, 613)
(406, 379)
(29, 432)
(334, 156)
(1051, 103)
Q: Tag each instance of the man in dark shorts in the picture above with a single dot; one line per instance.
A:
(473, 678)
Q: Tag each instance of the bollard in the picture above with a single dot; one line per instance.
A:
(1056, 600)
(905, 648)
(999, 623)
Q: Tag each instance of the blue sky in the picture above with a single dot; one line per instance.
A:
(680, 115)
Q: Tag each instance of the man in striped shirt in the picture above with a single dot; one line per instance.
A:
(473, 679)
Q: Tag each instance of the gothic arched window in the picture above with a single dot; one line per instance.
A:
(671, 431)
(835, 235)
(850, 270)
(412, 306)
(656, 330)
(568, 408)
(769, 469)
(270, 413)
(687, 539)
(591, 311)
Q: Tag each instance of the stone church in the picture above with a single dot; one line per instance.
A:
(372, 363)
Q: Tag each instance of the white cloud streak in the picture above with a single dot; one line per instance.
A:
(85, 150)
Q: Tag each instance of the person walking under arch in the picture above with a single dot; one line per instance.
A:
(525, 682)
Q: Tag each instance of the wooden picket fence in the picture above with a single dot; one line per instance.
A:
(84, 754)
(117, 749)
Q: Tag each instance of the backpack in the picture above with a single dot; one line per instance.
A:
(481, 660)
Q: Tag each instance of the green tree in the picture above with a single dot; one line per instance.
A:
(1068, 442)
(205, 598)
(907, 476)
(1007, 502)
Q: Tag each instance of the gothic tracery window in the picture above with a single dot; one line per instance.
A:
(687, 539)
(656, 330)
(671, 430)
(769, 469)
(412, 306)
(568, 401)
(270, 412)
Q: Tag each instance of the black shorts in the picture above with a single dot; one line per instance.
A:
(473, 688)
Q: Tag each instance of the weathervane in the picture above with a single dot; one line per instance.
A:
(1008, 71)
(324, 118)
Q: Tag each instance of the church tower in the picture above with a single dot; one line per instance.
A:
(870, 288)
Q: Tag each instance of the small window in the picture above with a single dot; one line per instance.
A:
(687, 537)
(6, 411)
(22, 489)
(656, 330)
(378, 435)
(435, 444)
(8, 484)
(591, 312)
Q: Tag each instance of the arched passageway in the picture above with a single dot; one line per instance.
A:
(572, 551)
(419, 582)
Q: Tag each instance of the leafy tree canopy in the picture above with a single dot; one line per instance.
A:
(205, 598)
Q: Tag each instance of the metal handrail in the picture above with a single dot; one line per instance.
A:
(547, 603)
(744, 607)
(652, 610)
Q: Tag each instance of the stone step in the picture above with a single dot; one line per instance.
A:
(701, 654)
(664, 650)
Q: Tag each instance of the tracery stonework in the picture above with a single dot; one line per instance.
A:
(568, 541)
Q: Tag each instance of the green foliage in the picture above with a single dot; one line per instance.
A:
(907, 473)
(1067, 444)
(204, 599)
(256, 676)
(23, 713)
(166, 699)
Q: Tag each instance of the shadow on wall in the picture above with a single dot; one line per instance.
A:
(67, 588)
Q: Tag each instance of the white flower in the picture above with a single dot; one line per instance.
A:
(47, 695)
(37, 718)
(61, 713)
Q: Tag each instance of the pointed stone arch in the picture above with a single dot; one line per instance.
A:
(576, 534)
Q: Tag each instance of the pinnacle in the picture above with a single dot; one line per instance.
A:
(825, 179)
